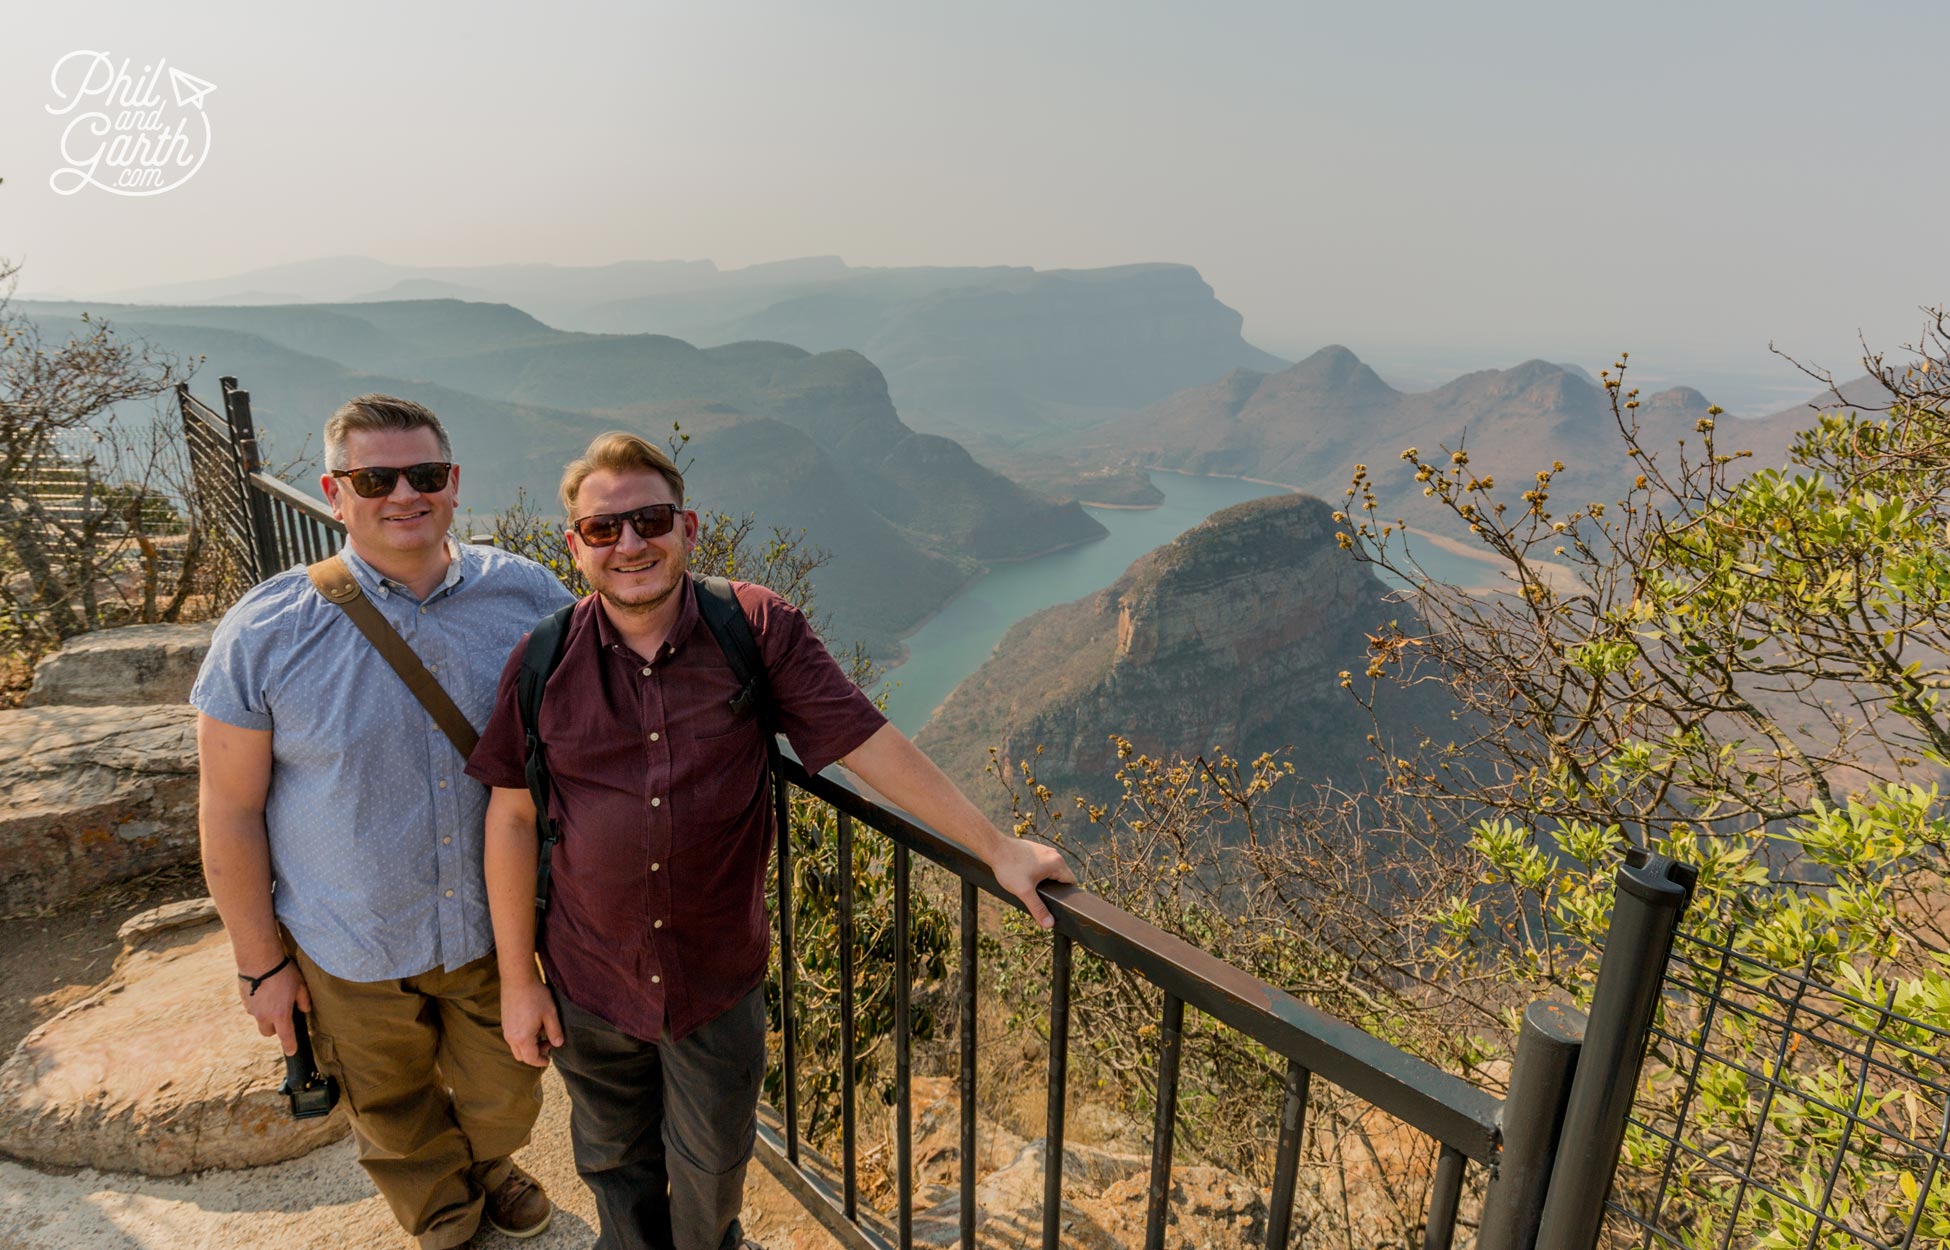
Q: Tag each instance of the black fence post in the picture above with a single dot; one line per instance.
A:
(243, 435)
(1532, 1119)
(1652, 894)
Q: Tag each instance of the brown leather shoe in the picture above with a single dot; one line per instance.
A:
(518, 1207)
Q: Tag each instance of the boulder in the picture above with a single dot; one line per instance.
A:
(157, 1070)
(1104, 1204)
(136, 664)
(90, 795)
(1103, 1191)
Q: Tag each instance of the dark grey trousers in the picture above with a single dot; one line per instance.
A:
(662, 1132)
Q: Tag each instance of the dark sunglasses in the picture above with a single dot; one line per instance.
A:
(378, 482)
(605, 528)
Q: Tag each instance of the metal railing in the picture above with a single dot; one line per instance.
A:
(262, 523)
(1786, 1110)
(1549, 1148)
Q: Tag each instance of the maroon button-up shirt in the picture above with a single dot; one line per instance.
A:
(656, 918)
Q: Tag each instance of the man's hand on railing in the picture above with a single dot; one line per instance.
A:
(1020, 866)
(898, 769)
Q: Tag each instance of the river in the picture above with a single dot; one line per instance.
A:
(956, 640)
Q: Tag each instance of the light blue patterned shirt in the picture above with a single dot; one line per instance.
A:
(375, 830)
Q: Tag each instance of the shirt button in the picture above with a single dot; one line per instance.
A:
(423, 611)
(450, 894)
(656, 980)
(656, 801)
(443, 783)
(446, 841)
(654, 867)
(656, 924)
(653, 736)
(433, 668)
(646, 670)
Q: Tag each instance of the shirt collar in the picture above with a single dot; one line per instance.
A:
(460, 565)
(680, 629)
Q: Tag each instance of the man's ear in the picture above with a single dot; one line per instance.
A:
(330, 485)
(690, 527)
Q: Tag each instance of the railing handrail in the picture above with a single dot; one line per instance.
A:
(1445, 1107)
(292, 497)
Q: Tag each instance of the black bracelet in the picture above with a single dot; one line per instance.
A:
(257, 981)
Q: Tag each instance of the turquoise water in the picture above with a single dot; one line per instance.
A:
(957, 639)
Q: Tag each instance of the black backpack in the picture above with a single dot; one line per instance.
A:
(726, 620)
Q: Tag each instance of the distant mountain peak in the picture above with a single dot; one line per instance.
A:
(1336, 368)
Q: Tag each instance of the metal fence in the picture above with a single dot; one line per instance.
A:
(260, 523)
(1546, 1152)
(1783, 1110)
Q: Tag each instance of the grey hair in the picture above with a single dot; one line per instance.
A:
(379, 412)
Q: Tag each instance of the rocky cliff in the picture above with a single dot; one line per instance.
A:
(1233, 635)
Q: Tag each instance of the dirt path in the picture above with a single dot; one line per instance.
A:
(320, 1202)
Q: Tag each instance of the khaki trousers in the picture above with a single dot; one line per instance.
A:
(437, 1101)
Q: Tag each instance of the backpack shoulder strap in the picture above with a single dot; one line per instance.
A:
(538, 660)
(718, 605)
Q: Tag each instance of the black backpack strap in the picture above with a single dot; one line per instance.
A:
(538, 661)
(719, 607)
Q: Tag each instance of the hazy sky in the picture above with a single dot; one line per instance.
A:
(1438, 186)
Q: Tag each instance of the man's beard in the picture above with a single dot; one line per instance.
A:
(646, 605)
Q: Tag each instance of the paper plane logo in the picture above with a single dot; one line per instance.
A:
(190, 89)
(123, 135)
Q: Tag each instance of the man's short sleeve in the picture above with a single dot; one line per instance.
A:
(500, 758)
(821, 711)
(233, 685)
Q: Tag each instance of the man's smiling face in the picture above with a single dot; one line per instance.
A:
(404, 521)
(635, 574)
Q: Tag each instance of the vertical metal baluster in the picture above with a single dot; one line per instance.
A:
(1059, 1071)
(1286, 1164)
(1159, 1197)
(1441, 1228)
(903, 1053)
(281, 526)
(967, 995)
(788, 978)
(850, 1180)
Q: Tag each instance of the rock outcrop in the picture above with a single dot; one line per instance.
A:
(139, 664)
(1104, 1191)
(90, 795)
(156, 1071)
(1233, 635)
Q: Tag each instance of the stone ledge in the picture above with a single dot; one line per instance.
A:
(92, 795)
(137, 664)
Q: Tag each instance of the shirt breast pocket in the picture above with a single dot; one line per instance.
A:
(726, 776)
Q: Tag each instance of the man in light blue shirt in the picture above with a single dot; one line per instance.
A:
(342, 839)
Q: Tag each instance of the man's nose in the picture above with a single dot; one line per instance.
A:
(629, 541)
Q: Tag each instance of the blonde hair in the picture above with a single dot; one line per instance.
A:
(619, 452)
(379, 412)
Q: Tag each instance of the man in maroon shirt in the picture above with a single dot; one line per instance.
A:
(657, 935)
